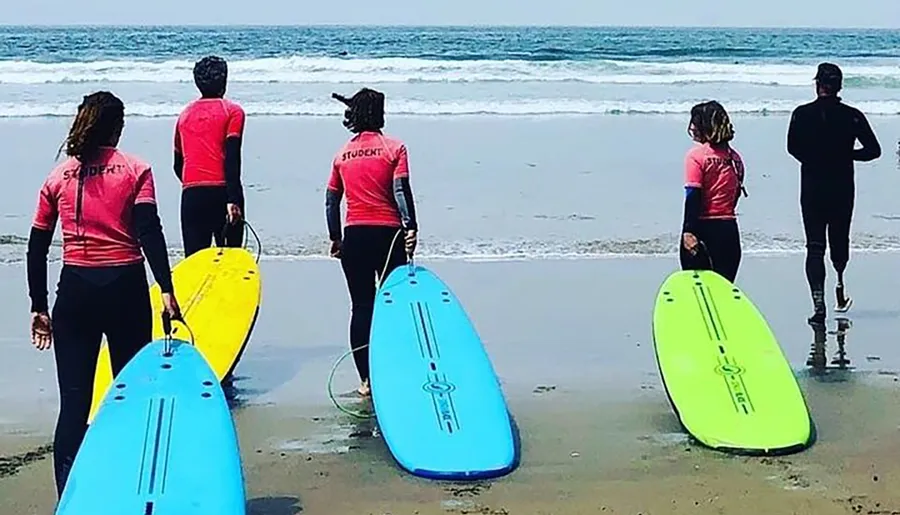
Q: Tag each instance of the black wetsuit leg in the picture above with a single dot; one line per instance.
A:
(815, 226)
(720, 250)
(364, 252)
(91, 302)
(76, 344)
(203, 220)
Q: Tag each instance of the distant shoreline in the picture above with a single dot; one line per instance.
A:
(810, 28)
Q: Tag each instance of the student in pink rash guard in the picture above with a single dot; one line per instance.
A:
(372, 170)
(713, 184)
(105, 203)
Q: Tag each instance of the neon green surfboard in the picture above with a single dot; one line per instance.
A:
(727, 378)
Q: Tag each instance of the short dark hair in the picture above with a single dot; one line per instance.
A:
(829, 77)
(211, 76)
(365, 110)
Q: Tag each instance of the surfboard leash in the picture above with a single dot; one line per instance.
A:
(356, 414)
(330, 383)
(259, 247)
(167, 329)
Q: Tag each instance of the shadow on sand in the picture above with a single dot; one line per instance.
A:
(274, 506)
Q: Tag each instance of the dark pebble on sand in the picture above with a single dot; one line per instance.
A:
(875, 478)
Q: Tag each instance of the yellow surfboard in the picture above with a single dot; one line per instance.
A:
(219, 292)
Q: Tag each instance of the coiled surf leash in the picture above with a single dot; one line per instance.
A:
(329, 385)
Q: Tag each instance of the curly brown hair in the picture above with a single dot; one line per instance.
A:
(100, 118)
(710, 124)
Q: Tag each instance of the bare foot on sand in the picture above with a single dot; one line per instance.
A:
(364, 389)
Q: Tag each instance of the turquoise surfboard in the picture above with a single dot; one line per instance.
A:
(162, 443)
(437, 399)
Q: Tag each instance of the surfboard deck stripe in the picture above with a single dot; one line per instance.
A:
(444, 416)
(163, 444)
(718, 337)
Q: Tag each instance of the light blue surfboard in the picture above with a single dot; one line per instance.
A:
(437, 398)
(163, 443)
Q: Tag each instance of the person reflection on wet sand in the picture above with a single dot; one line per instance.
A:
(818, 360)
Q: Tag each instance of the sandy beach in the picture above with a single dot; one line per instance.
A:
(580, 377)
(560, 282)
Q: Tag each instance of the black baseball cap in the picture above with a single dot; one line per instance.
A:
(828, 73)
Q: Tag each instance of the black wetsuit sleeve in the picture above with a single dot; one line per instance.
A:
(153, 242)
(333, 213)
(871, 149)
(693, 207)
(38, 249)
(796, 138)
(178, 164)
(233, 188)
(405, 203)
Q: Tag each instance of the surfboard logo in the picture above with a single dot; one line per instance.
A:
(437, 387)
(732, 374)
(729, 369)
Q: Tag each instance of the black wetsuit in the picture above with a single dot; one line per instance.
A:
(91, 302)
(821, 136)
(203, 207)
(364, 256)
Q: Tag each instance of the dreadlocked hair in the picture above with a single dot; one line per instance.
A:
(100, 116)
(365, 111)
(710, 123)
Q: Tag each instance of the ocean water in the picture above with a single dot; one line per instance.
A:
(488, 116)
(447, 71)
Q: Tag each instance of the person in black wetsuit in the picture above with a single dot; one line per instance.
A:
(207, 160)
(106, 202)
(822, 136)
(373, 170)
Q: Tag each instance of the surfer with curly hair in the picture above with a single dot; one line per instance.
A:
(373, 172)
(713, 184)
(208, 139)
(106, 202)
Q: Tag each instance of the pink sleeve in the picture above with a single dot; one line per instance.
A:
(145, 188)
(235, 121)
(693, 171)
(401, 169)
(334, 181)
(47, 212)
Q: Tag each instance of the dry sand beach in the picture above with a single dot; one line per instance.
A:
(569, 335)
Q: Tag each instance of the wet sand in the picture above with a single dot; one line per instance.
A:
(571, 342)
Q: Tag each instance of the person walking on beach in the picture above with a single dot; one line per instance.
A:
(208, 137)
(106, 201)
(821, 136)
(372, 169)
(713, 183)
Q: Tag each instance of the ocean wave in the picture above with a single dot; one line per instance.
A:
(406, 107)
(414, 70)
(12, 248)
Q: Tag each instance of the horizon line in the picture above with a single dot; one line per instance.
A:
(4, 25)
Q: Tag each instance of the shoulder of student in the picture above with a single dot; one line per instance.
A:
(136, 163)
